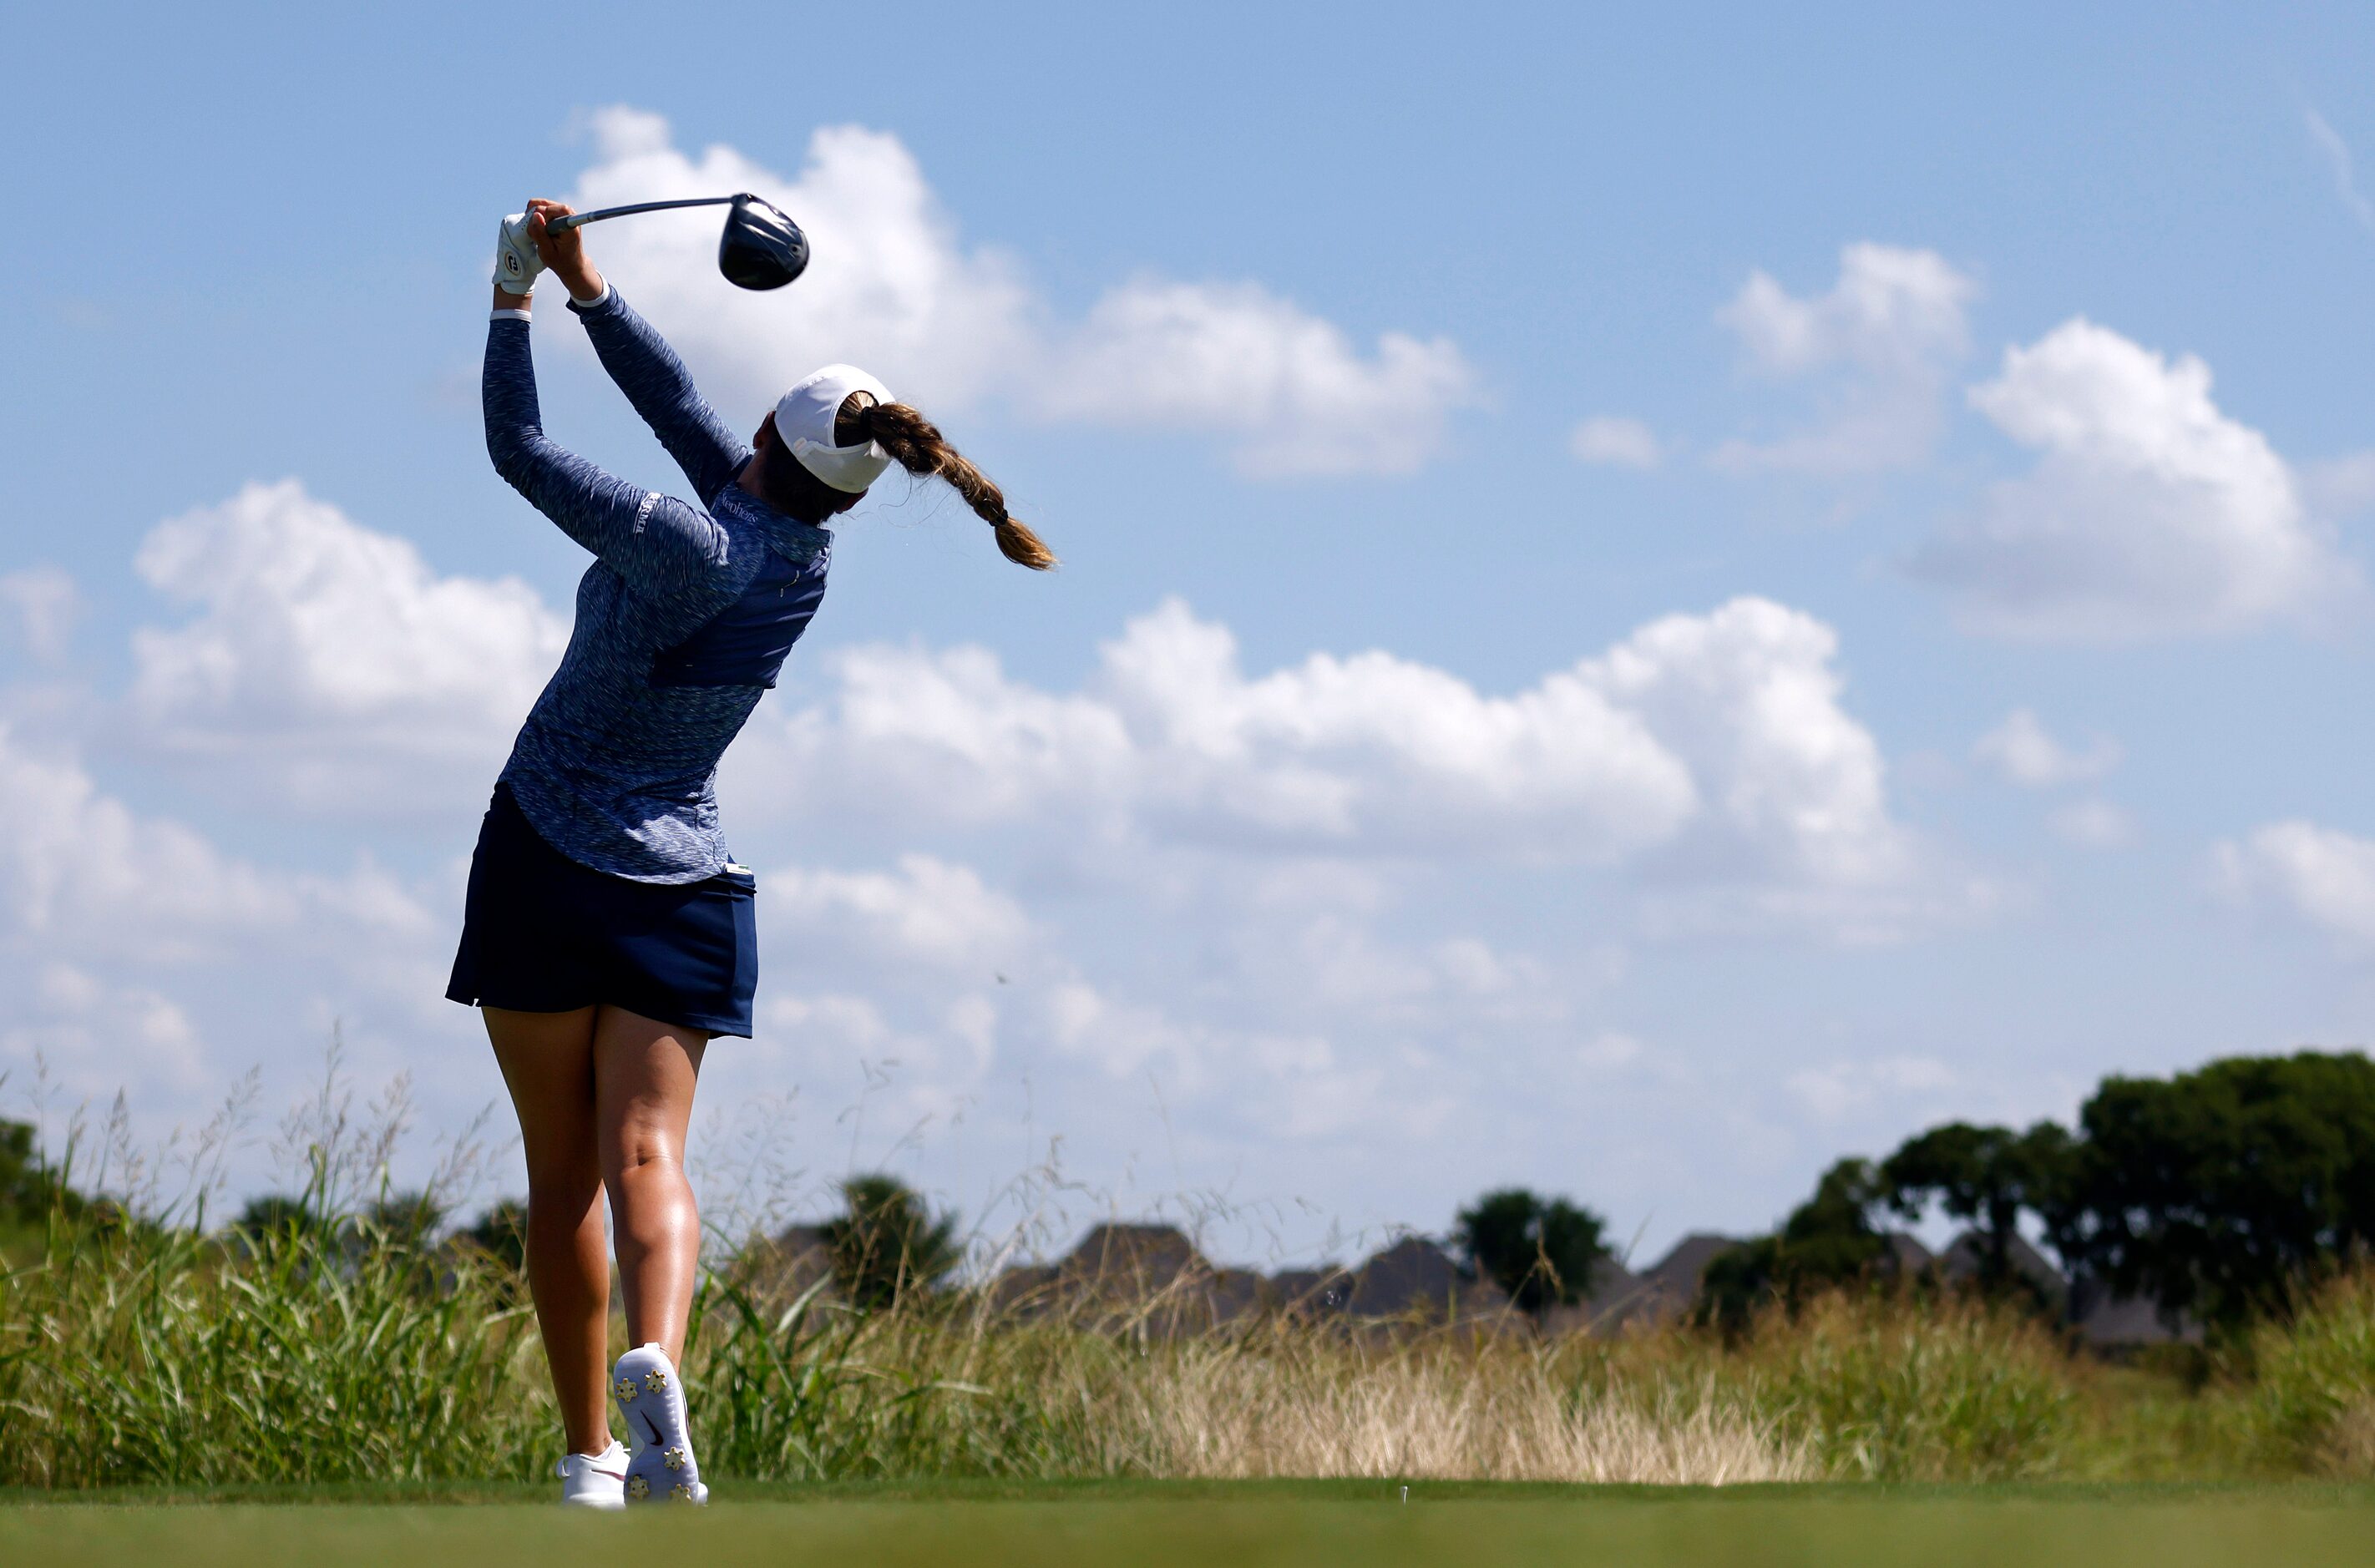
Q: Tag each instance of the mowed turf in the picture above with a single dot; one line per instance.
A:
(1240, 1526)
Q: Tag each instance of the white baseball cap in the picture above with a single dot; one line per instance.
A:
(804, 418)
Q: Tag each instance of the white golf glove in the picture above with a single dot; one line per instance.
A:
(517, 263)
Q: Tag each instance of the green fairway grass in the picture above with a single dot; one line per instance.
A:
(1240, 1525)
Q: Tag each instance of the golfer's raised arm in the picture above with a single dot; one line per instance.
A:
(655, 542)
(640, 362)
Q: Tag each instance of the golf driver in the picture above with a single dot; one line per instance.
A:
(762, 247)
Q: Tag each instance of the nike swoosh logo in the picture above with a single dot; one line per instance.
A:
(653, 1425)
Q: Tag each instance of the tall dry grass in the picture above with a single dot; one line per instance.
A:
(967, 1386)
(1490, 1409)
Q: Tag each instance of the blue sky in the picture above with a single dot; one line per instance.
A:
(1650, 599)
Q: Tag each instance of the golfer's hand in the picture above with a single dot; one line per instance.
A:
(517, 264)
(563, 250)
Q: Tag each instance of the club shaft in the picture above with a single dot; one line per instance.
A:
(576, 219)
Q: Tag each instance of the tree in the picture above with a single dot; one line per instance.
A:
(30, 1188)
(406, 1218)
(275, 1214)
(24, 1187)
(1827, 1241)
(29, 1192)
(887, 1244)
(502, 1233)
(1542, 1251)
(2224, 1191)
(1987, 1177)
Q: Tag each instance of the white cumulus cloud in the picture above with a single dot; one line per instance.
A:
(892, 286)
(1748, 696)
(326, 662)
(112, 917)
(1366, 754)
(1876, 349)
(1702, 750)
(81, 870)
(927, 912)
(2320, 876)
(93, 1034)
(2150, 512)
(1291, 391)
(2024, 753)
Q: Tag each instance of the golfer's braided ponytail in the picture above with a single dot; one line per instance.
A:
(916, 445)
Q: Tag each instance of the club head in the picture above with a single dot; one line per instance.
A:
(761, 248)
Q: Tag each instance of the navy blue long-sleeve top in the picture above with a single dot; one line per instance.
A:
(682, 620)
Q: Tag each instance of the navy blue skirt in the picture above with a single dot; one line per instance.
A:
(541, 934)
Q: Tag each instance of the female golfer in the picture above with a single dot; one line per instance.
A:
(609, 934)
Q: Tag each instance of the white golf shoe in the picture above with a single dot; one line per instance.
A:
(594, 1480)
(660, 1466)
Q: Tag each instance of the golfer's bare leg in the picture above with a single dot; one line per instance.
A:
(643, 1077)
(548, 1063)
